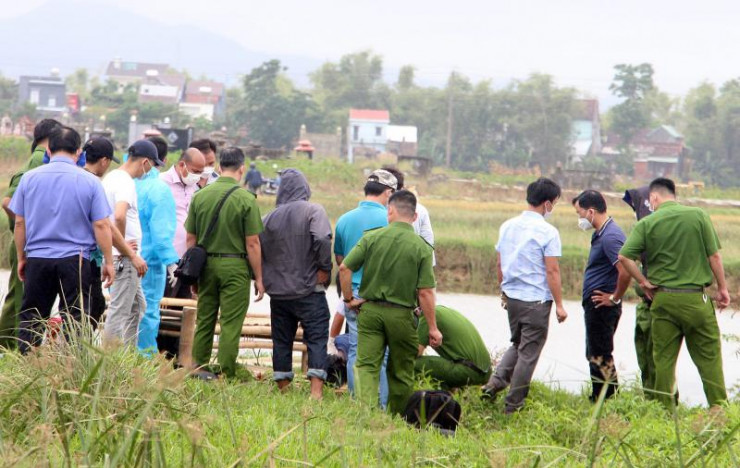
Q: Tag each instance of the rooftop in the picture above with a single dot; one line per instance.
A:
(370, 114)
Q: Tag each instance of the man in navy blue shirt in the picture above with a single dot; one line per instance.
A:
(61, 213)
(604, 284)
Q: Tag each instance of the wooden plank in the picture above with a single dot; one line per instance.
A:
(187, 334)
(174, 302)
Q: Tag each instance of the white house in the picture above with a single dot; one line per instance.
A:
(367, 131)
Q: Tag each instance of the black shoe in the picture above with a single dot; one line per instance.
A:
(489, 393)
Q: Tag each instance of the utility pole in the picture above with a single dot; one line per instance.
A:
(448, 146)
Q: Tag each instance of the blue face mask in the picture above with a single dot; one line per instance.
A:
(80, 161)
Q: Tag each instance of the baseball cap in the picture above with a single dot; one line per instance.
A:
(383, 177)
(145, 149)
(101, 147)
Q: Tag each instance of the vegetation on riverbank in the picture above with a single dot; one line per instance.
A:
(81, 405)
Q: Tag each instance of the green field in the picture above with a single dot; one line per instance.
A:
(85, 406)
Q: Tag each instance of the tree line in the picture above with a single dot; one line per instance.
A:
(465, 124)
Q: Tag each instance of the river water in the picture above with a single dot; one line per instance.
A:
(563, 363)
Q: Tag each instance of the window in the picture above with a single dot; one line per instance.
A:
(378, 131)
(355, 132)
(34, 98)
(52, 101)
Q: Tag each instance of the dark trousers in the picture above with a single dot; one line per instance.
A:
(47, 278)
(97, 299)
(601, 324)
(312, 312)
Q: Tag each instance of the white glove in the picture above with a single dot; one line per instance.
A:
(171, 278)
(330, 347)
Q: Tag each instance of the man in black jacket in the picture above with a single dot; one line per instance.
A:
(296, 266)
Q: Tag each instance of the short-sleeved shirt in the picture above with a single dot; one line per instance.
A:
(396, 263)
(601, 271)
(119, 187)
(60, 202)
(239, 217)
(352, 225)
(523, 244)
(678, 240)
(462, 342)
(36, 160)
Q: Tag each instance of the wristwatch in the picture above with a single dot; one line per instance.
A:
(611, 298)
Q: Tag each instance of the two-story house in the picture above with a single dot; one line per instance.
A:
(47, 93)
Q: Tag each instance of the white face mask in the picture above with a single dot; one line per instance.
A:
(548, 213)
(191, 179)
(207, 171)
(585, 224)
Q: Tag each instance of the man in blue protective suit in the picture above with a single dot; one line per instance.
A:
(158, 224)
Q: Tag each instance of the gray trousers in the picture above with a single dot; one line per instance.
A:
(529, 322)
(127, 304)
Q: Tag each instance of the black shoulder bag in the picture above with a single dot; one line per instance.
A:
(191, 265)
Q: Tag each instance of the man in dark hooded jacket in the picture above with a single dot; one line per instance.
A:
(296, 266)
(637, 199)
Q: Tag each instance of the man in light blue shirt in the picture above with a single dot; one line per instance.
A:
(370, 214)
(529, 277)
(61, 213)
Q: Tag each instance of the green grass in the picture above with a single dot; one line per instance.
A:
(81, 405)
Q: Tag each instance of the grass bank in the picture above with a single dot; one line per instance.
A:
(81, 405)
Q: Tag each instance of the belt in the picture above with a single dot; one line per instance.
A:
(227, 255)
(680, 290)
(390, 304)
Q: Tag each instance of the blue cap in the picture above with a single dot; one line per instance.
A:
(145, 149)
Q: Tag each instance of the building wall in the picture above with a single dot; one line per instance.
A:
(46, 94)
(327, 145)
(368, 134)
(196, 110)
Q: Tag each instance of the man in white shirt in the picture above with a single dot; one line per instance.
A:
(127, 303)
(529, 276)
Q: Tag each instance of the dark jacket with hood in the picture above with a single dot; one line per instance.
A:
(296, 241)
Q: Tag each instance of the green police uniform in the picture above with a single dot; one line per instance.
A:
(678, 241)
(12, 304)
(463, 357)
(225, 280)
(397, 262)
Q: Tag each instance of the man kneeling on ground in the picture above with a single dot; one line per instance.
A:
(463, 358)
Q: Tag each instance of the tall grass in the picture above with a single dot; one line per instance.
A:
(80, 405)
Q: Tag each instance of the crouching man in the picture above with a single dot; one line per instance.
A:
(463, 357)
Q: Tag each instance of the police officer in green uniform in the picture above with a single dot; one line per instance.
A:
(682, 253)
(232, 247)
(397, 271)
(463, 357)
(12, 305)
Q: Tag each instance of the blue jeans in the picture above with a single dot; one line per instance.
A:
(351, 317)
(312, 312)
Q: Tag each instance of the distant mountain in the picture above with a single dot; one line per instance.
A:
(70, 34)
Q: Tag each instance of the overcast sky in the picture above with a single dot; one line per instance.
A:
(577, 41)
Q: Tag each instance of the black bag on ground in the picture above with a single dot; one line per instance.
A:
(433, 407)
(336, 370)
(191, 265)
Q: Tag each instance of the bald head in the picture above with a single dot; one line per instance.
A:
(193, 155)
(191, 161)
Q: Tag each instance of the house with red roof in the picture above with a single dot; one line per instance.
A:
(367, 132)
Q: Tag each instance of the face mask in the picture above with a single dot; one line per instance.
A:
(47, 158)
(548, 213)
(82, 159)
(191, 179)
(146, 171)
(207, 171)
(585, 224)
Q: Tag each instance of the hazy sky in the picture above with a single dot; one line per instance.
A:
(577, 41)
